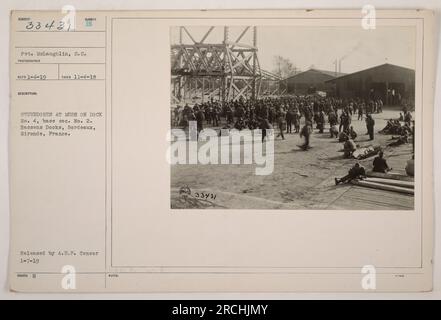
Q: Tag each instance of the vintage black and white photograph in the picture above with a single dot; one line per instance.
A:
(292, 117)
(248, 151)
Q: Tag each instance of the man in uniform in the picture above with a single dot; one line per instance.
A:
(200, 117)
(332, 118)
(402, 139)
(229, 114)
(334, 131)
(370, 123)
(352, 133)
(349, 147)
(343, 118)
(215, 115)
(380, 164)
(289, 120)
(281, 115)
(296, 120)
(343, 136)
(356, 172)
(321, 121)
(407, 118)
(264, 125)
(306, 132)
(360, 112)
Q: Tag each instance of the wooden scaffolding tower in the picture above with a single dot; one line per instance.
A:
(224, 71)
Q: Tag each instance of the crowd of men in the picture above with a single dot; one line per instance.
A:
(284, 114)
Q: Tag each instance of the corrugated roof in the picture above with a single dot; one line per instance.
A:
(326, 72)
(371, 68)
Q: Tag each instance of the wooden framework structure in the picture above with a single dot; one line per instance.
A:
(224, 71)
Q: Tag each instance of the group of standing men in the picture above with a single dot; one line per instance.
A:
(284, 113)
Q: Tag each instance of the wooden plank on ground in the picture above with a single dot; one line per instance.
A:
(391, 182)
(389, 175)
(382, 186)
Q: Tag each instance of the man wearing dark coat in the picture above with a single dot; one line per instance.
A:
(200, 117)
(380, 164)
(289, 120)
(355, 172)
(306, 132)
(370, 123)
(321, 121)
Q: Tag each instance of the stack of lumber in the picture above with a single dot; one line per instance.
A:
(390, 175)
(387, 181)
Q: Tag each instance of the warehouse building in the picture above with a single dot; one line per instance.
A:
(395, 85)
(310, 81)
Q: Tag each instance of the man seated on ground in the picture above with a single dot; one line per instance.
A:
(380, 164)
(410, 167)
(349, 147)
(402, 139)
(240, 124)
(392, 127)
(406, 129)
(356, 172)
(352, 133)
(343, 136)
(334, 131)
(388, 126)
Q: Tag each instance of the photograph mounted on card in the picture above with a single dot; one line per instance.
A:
(221, 151)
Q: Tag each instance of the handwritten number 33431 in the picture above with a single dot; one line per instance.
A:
(203, 195)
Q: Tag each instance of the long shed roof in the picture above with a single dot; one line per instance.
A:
(370, 69)
(326, 72)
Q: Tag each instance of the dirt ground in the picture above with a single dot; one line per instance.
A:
(300, 180)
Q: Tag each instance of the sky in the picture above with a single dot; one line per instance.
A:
(319, 47)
